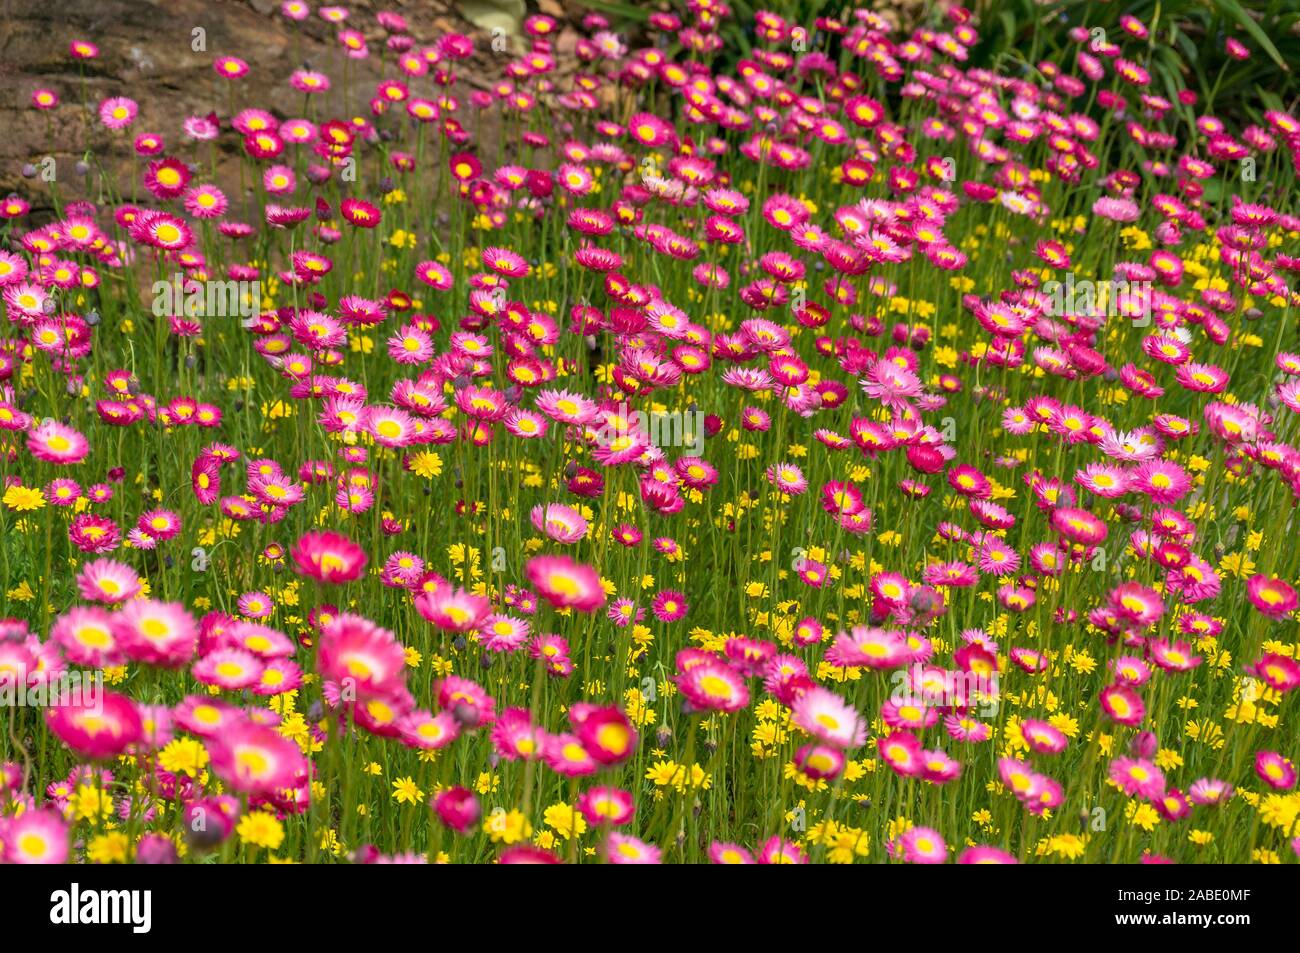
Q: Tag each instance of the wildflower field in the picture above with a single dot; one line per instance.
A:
(713, 436)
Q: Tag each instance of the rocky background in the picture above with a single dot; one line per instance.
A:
(147, 53)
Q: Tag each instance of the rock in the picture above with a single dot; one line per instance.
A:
(148, 52)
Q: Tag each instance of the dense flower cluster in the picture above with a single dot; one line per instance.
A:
(844, 452)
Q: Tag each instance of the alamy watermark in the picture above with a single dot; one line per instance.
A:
(929, 688)
(74, 906)
(78, 689)
(684, 429)
(1117, 298)
(191, 298)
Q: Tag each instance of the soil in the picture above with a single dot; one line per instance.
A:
(148, 52)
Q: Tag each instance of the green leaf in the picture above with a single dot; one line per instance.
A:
(1234, 9)
(620, 9)
(1008, 27)
(1270, 99)
(506, 15)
